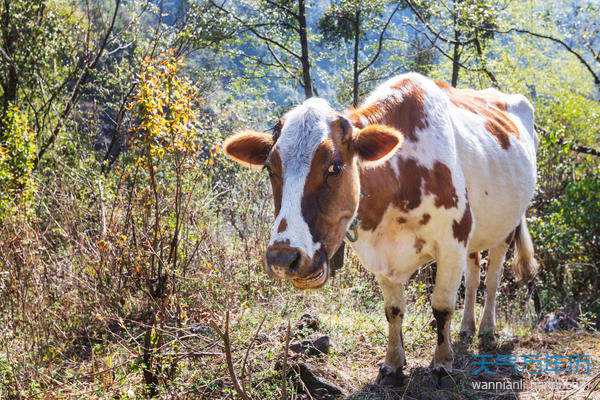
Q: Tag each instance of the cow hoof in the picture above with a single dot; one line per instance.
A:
(466, 336)
(439, 373)
(389, 376)
(445, 364)
(487, 340)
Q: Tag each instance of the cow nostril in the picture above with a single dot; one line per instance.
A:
(284, 258)
(295, 263)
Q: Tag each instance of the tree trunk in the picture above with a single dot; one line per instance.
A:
(455, 64)
(356, 84)
(304, 57)
(10, 83)
(456, 51)
(482, 60)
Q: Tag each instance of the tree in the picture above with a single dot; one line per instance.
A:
(281, 32)
(17, 153)
(350, 21)
(164, 147)
(44, 63)
(574, 28)
(472, 23)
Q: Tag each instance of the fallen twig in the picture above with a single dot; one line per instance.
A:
(228, 357)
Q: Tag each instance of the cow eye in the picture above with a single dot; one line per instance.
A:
(335, 168)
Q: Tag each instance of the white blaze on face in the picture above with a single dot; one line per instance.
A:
(305, 127)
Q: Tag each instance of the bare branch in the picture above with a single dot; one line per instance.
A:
(451, 58)
(229, 359)
(380, 41)
(575, 147)
(244, 363)
(433, 31)
(555, 40)
(285, 368)
(282, 8)
(256, 32)
(483, 63)
(281, 64)
(77, 88)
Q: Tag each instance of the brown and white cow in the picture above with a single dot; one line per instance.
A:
(429, 172)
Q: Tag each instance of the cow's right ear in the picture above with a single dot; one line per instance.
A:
(249, 148)
(375, 144)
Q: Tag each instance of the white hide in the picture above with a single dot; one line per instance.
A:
(499, 182)
(305, 127)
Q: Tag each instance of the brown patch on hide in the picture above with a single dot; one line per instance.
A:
(391, 313)
(276, 178)
(425, 219)
(491, 107)
(462, 228)
(441, 318)
(380, 187)
(404, 111)
(282, 226)
(418, 245)
(328, 200)
(476, 257)
(401, 220)
(439, 183)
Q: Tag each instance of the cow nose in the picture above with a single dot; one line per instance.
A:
(283, 258)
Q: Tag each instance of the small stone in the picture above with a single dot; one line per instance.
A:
(558, 321)
(201, 329)
(308, 322)
(313, 346)
(319, 388)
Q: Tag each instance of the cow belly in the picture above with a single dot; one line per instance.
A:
(394, 250)
(500, 184)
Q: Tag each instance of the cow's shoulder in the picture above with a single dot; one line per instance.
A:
(402, 102)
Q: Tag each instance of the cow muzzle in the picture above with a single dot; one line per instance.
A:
(287, 262)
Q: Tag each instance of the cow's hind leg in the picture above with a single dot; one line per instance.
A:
(390, 372)
(451, 264)
(492, 281)
(467, 328)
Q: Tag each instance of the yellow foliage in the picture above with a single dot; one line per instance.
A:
(164, 106)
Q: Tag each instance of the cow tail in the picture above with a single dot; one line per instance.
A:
(524, 263)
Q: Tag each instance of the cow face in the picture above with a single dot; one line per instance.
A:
(313, 160)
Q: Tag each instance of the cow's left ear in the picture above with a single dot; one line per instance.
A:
(249, 148)
(375, 144)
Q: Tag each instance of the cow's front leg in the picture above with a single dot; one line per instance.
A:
(390, 372)
(450, 267)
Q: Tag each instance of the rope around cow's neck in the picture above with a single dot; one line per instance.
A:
(352, 232)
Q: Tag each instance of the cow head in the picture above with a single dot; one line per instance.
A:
(313, 159)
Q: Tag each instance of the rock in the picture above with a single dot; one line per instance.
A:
(262, 337)
(201, 329)
(558, 321)
(308, 322)
(313, 346)
(319, 388)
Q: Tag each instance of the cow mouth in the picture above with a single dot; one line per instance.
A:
(314, 280)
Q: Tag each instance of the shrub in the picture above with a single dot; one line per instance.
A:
(17, 155)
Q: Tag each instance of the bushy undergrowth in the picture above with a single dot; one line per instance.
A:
(17, 155)
(565, 219)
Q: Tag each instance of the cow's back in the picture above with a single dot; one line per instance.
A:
(496, 145)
